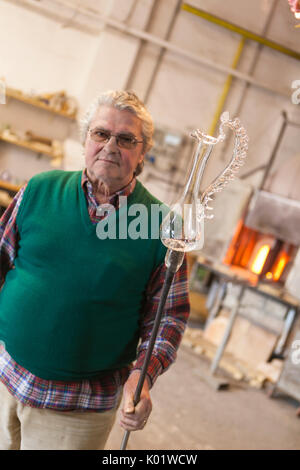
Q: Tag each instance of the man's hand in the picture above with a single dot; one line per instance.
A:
(134, 418)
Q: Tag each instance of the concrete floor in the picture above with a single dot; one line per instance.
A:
(189, 414)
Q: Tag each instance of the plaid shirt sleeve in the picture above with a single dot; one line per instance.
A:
(9, 235)
(172, 325)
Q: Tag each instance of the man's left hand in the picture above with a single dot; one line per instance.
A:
(135, 418)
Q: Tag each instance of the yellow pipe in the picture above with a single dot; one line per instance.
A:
(243, 32)
(226, 88)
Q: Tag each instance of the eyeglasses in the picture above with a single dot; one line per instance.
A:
(126, 141)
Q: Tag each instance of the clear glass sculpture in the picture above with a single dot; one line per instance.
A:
(183, 227)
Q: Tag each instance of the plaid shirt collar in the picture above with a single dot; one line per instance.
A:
(114, 198)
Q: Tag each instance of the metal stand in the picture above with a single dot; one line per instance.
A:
(227, 332)
(174, 263)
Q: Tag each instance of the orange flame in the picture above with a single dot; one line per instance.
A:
(280, 265)
(260, 258)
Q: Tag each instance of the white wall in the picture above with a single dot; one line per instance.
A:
(37, 53)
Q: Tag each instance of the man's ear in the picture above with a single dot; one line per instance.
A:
(139, 167)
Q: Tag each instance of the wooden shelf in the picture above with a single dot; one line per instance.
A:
(7, 193)
(34, 146)
(18, 95)
(9, 186)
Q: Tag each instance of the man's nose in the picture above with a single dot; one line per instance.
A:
(112, 143)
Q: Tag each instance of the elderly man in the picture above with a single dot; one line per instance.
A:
(76, 311)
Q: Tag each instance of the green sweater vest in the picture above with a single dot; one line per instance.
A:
(69, 310)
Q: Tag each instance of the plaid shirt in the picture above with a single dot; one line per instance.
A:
(98, 394)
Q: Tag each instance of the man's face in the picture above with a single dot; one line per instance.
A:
(109, 162)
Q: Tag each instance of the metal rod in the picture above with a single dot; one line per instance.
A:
(162, 52)
(275, 150)
(251, 71)
(226, 335)
(138, 56)
(252, 172)
(171, 270)
(214, 310)
(290, 317)
(243, 32)
(226, 88)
